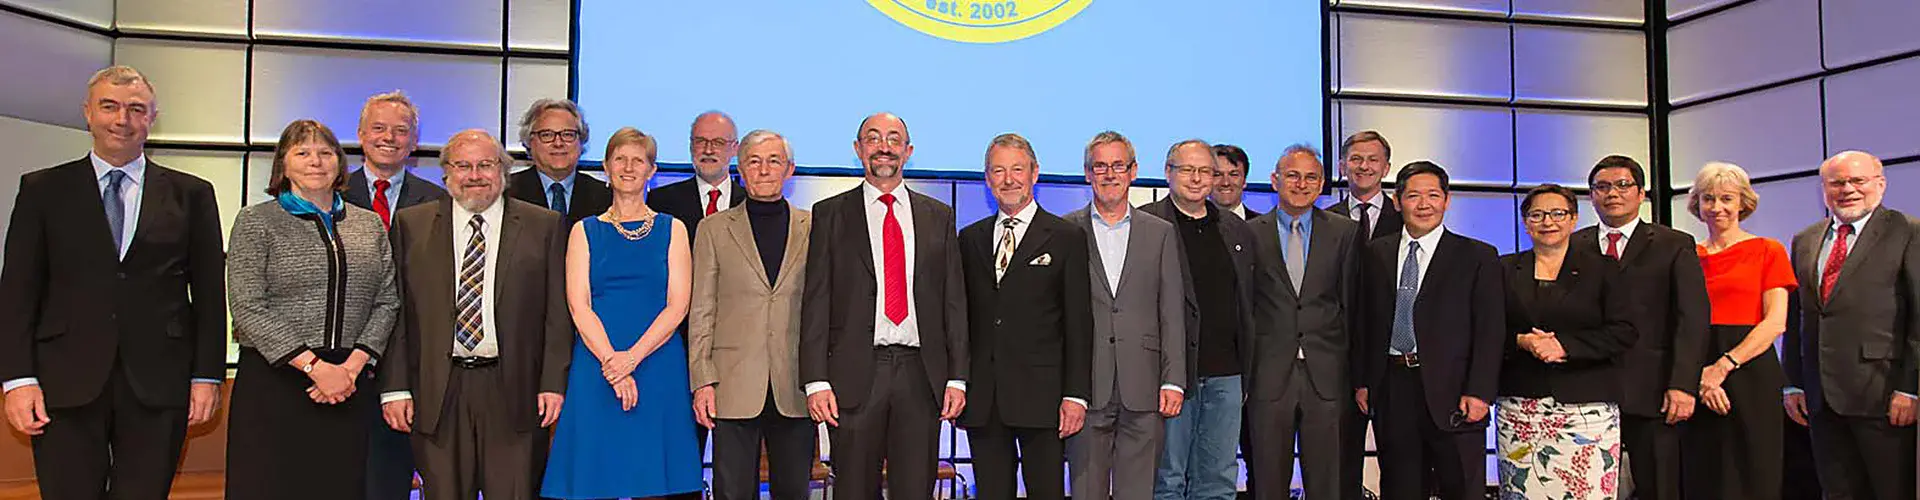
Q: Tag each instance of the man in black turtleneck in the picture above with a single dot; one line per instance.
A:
(751, 390)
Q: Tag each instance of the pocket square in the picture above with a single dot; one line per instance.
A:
(1042, 260)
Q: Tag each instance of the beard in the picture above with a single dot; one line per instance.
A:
(475, 202)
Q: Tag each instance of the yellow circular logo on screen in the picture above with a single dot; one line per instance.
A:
(973, 21)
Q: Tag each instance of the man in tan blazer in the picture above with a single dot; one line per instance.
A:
(749, 265)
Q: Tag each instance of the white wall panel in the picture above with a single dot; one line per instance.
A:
(1615, 11)
(201, 86)
(32, 146)
(209, 17)
(93, 12)
(1561, 146)
(1488, 217)
(1397, 55)
(225, 170)
(1772, 132)
(1900, 178)
(47, 69)
(453, 92)
(1554, 64)
(1872, 109)
(540, 24)
(422, 22)
(1755, 44)
(529, 80)
(1474, 144)
(1861, 30)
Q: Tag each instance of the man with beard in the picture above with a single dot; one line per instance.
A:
(710, 190)
(474, 379)
(554, 131)
(883, 348)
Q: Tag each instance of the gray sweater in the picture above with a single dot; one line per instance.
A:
(290, 291)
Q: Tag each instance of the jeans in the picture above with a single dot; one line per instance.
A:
(1199, 461)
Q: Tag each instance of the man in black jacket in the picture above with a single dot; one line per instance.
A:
(554, 132)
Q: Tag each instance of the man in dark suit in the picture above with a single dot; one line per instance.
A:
(1218, 252)
(883, 325)
(389, 130)
(1433, 364)
(1032, 336)
(711, 189)
(1304, 305)
(1365, 158)
(554, 131)
(1854, 363)
(1659, 265)
(112, 307)
(477, 395)
(1230, 186)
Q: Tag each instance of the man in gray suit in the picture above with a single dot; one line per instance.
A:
(1853, 366)
(1139, 331)
(1303, 309)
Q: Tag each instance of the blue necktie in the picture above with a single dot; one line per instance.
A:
(557, 198)
(1403, 298)
(116, 207)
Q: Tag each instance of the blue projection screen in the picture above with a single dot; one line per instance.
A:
(1246, 72)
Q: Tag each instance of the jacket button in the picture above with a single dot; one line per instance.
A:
(121, 275)
(996, 321)
(1116, 309)
(1111, 340)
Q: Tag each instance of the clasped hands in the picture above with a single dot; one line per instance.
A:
(334, 383)
(618, 368)
(1543, 345)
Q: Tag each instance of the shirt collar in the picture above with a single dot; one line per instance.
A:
(1833, 224)
(1377, 200)
(1286, 219)
(1025, 215)
(566, 183)
(1625, 231)
(1094, 213)
(136, 170)
(704, 187)
(871, 194)
(492, 214)
(396, 180)
(1428, 242)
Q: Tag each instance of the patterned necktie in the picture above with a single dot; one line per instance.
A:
(713, 201)
(380, 205)
(1296, 254)
(557, 198)
(1613, 244)
(893, 250)
(1403, 297)
(1004, 256)
(1366, 225)
(1835, 260)
(472, 283)
(116, 205)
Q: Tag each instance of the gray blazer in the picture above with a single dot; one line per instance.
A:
(1318, 319)
(1139, 328)
(1855, 350)
(287, 293)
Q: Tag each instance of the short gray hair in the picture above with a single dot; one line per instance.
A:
(1298, 148)
(1107, 137)
(715, 113)
(758, 136)
(1175, 149)
(120, 75)
(1015, 141)
(396, 97)
(472, 135)
(544, 105)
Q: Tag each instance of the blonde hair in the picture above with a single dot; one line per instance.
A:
(629, 136)
(1722, 175)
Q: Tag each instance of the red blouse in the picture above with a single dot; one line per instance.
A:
(1740, 274)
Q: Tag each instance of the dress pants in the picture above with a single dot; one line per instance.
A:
(1315, 422)
(1653, 455)
(1862, 458)
(114, 440)
(1410, 444)
(1198, 463)
(1116, 452)
(899, 424)
(389, 460)
(476, 451)
(1000, 450)
(1353, 463)
(736, 455)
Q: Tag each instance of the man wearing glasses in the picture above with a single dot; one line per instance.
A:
(554, 132)
(1661, 371)
(710, 146)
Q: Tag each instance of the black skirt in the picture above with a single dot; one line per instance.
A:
(1738, 455)
(282, 445)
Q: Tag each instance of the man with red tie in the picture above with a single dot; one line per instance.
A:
(710, 147)
(883, 323)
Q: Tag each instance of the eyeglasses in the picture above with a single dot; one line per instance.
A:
(1556, 215)
(715, 143)
(472, 166)
(1296, 177)
(548, 136)
(1188, 170)
(1118, 167)
(1856, 182)
(875, 140)
(1603, 187)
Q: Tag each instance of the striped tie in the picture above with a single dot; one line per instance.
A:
(472, 282)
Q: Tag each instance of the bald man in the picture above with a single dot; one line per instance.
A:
(711, 146)
(1853, 365)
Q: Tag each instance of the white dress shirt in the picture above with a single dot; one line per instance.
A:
(725, 189)
(489, 339)
(1025, 216)
(1378, 201)
(393, 187)
(1427, 245)
(1626, 234)
(1240, 210)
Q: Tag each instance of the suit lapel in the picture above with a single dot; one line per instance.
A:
(503, 284)
(1862, 243)
(154, 195)
(799, 228)
(742, 235)
(855, 224)
(1806, 264)
(1320, 247)
(439, 279)
(1267, 240)
(1521, 279)
(1028, 248)
(924, 224)
(1442, 250)
(1636, 242)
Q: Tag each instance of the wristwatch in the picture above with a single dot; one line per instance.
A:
(309, 367)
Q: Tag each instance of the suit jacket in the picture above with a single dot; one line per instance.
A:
(1032, 331)
(1142, 318)
(413, 191)
(744, 330)
(531, 323)
(1459, 318)
(1390, 222)
(682, 200)
(1593, 337)
(836, 315)
(1318, 319)
(590, 196)
(1860, 345)
(1239, 240)
(1662, 273)
(69, 305)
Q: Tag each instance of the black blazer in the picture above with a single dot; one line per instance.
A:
(69, 305)
(837, 312)
(1240, 243)
(590, 196)
(1032, 332)
(413, 191)
(1875, 348)
(1590, 319)
(682, 201)
(1459, 318)
(1390, 222)
(1319, 319)
(1661, 271)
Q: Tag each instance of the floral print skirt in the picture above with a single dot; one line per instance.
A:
(1558, 451)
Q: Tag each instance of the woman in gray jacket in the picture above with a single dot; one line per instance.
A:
(310, 284)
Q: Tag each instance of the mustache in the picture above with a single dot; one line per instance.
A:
(879, 156)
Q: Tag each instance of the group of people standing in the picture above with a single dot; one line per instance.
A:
(387, 324)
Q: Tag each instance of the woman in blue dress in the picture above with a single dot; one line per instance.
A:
(627, 428)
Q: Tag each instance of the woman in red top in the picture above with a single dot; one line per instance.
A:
(1735, 451)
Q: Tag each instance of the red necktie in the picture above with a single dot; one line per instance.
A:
(1613, 244)
(380, 202)
(893, 250)
(1835, 259)
(713, 201)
